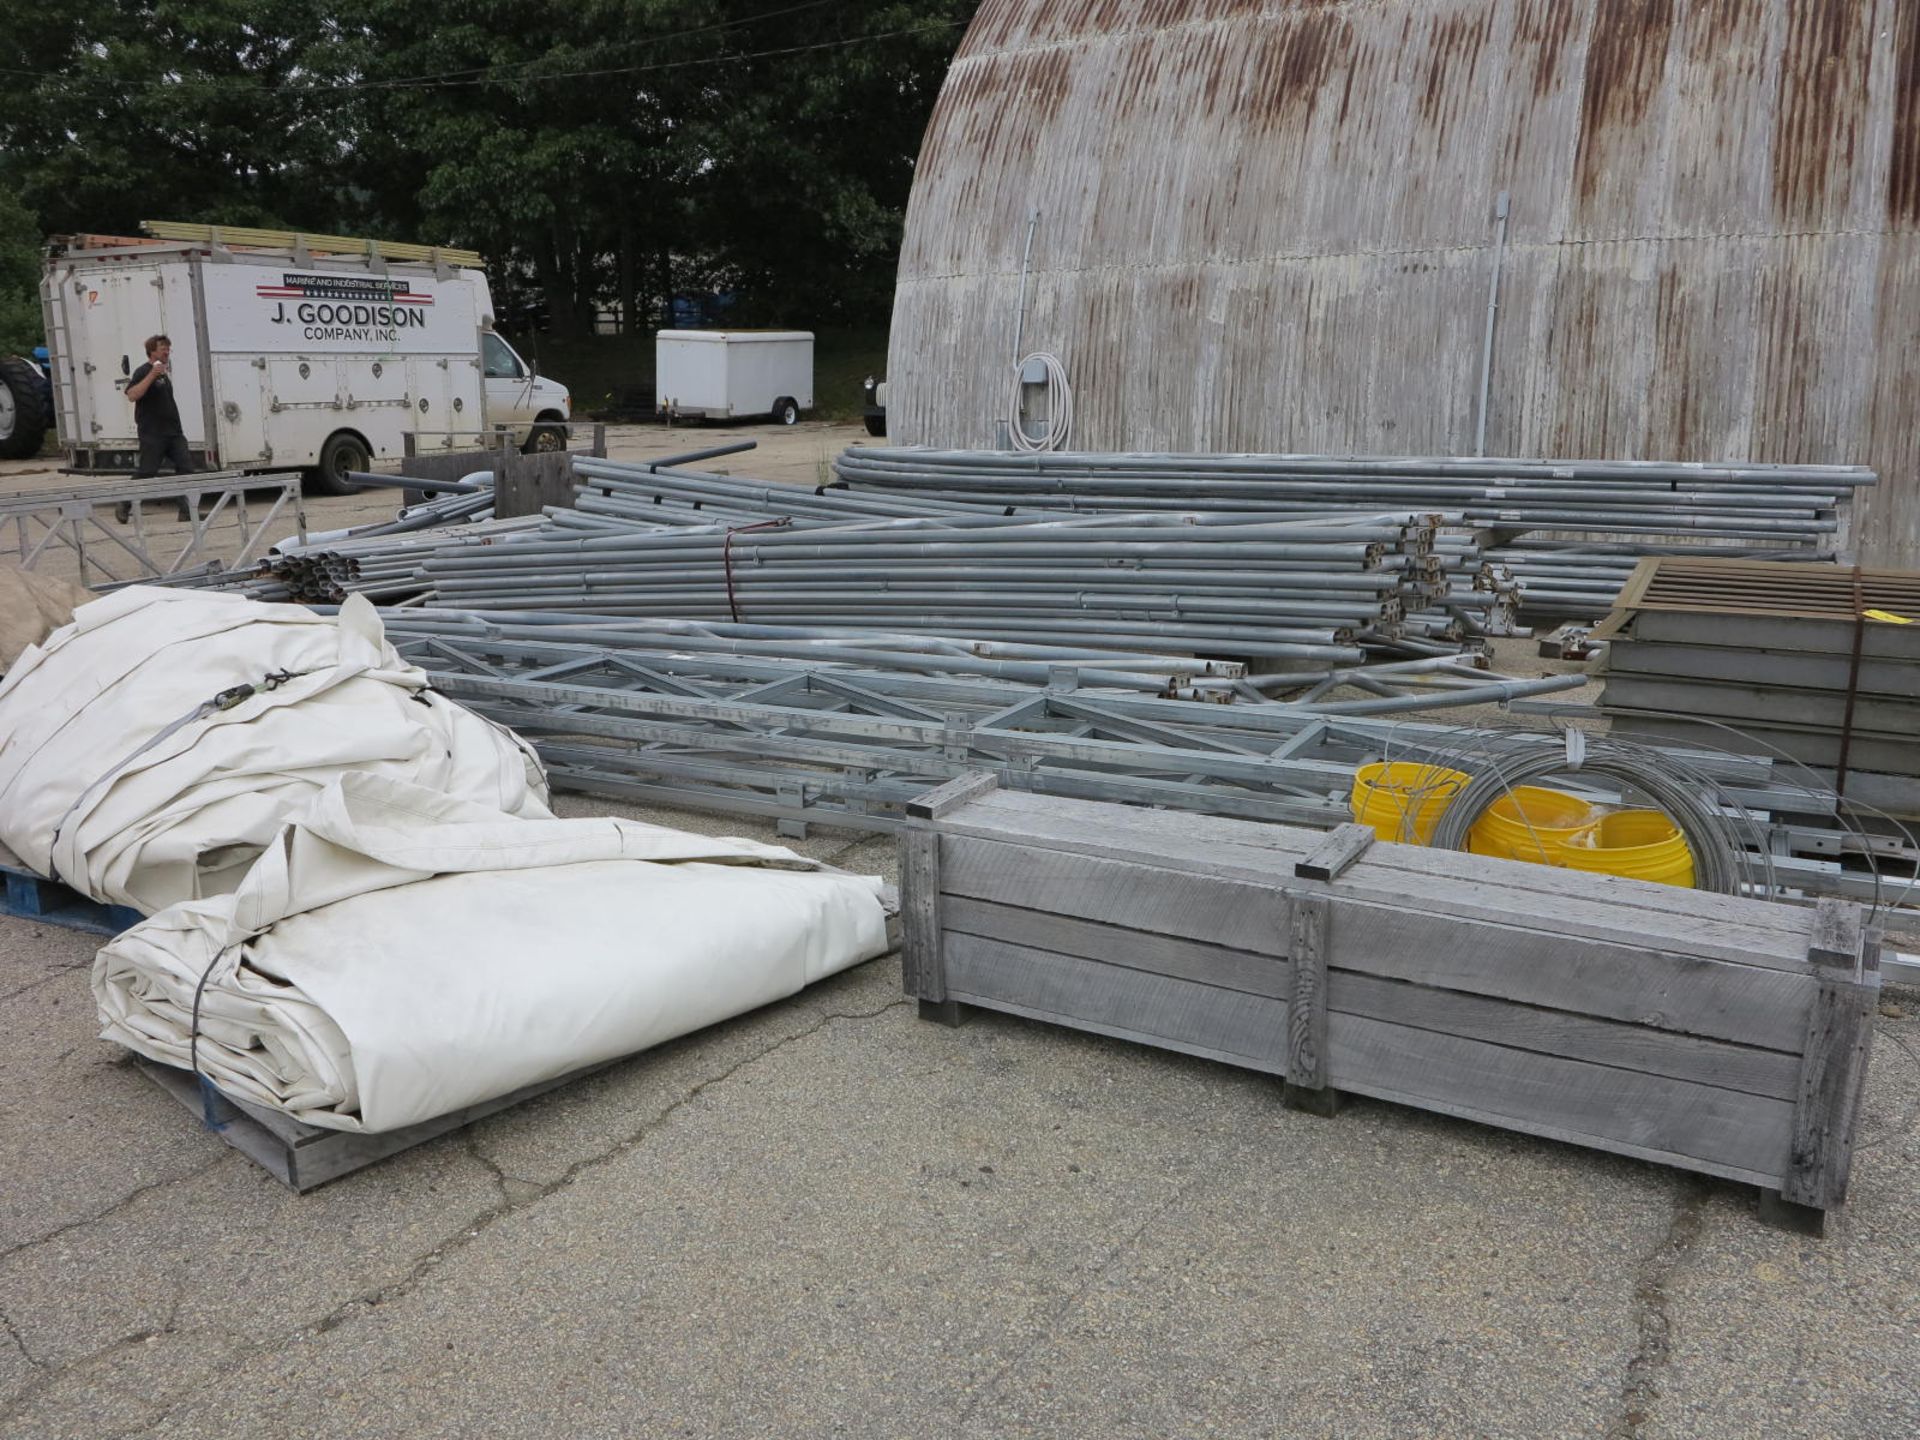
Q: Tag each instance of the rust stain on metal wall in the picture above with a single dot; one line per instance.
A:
(1293, 60)
(1266, 224)
(1540, 29)
(1626, 63)
(1823, 84)
(1903, 171)
(1453, 58)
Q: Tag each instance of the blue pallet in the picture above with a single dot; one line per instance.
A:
(35, 897)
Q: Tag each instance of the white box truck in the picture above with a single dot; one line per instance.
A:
(727, 374)
(285, 358)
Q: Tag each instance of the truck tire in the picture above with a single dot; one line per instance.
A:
(24, 411)
(876, 423)
(545, 438)
(343, 451)
(785, 411)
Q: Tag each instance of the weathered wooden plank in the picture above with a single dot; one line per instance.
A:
(1748, 1068)
(1838, 938)
(1234, 913)
(1175, 835)
(1533, 966)
(921, 963)
(1328, 860)
(1839, 1036)
(1660, 917)
(1528, 1027)
(304, 1157)
(1248, 1030)
(1307, 1006)
(1309, 944)
(1116, 945)
(943, 800)
(1446, 942)
(1652, 1117)
(1591, 1104)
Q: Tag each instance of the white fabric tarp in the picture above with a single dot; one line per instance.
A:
(121, 775)
(397, 954)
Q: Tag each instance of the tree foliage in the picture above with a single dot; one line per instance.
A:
(598, 152)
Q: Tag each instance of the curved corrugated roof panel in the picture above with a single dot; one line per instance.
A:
(1269, 224)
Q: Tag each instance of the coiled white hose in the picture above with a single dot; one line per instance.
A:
(1059, 407)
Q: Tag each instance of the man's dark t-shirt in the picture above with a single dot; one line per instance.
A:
(154, 413)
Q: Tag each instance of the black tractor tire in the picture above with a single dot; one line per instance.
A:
(786, 411)
(343, 451)
(546, 438)
(23, 425)
(877, 424)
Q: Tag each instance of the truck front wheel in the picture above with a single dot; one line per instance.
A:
(343, 452)
(24, 412)
(545, 439)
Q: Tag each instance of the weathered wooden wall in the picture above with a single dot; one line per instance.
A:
(1268, 225)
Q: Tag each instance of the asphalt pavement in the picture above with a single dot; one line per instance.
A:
(832, 1218)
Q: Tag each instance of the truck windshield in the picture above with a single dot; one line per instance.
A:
(502, 363)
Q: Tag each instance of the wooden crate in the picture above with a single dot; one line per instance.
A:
(1720, 1035)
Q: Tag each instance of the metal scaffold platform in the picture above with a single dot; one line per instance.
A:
(106, 522)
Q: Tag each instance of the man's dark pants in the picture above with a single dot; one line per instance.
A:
(155, 451)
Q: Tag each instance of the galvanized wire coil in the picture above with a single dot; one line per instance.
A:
(1719, 831)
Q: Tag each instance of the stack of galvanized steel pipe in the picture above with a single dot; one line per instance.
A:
(1614, 510)
(646, 540)
(711, 547)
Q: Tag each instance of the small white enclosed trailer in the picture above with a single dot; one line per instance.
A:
(727, 374)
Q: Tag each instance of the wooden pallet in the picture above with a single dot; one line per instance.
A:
(35, 897)
(304, 1157)
(1714, 1034)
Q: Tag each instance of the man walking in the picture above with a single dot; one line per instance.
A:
(156, 418)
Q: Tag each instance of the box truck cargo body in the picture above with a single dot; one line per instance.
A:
(282, 360)
(724, 374)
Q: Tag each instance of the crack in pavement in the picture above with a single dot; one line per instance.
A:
(424, 1265)
(20, 1342)
(488, 1218)
(1640, 1387)
(117, 1206)
(54, 974)
(1054, 1315)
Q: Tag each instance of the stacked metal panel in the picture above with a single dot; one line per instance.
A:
(844, 731)
(843, 728)
(1816, 665)
(1612, 511)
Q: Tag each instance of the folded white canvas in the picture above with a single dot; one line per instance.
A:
(150, 748)
(397, 954)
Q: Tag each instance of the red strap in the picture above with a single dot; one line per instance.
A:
(726, 555)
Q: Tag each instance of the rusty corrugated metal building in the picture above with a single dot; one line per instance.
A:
(1269, 225)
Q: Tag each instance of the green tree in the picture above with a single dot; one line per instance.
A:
(599, 152)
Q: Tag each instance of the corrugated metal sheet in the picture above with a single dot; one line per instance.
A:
(1268, 224)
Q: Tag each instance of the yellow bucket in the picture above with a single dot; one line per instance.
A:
(1403, 799)
(1642, 844)
(1532, 823)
